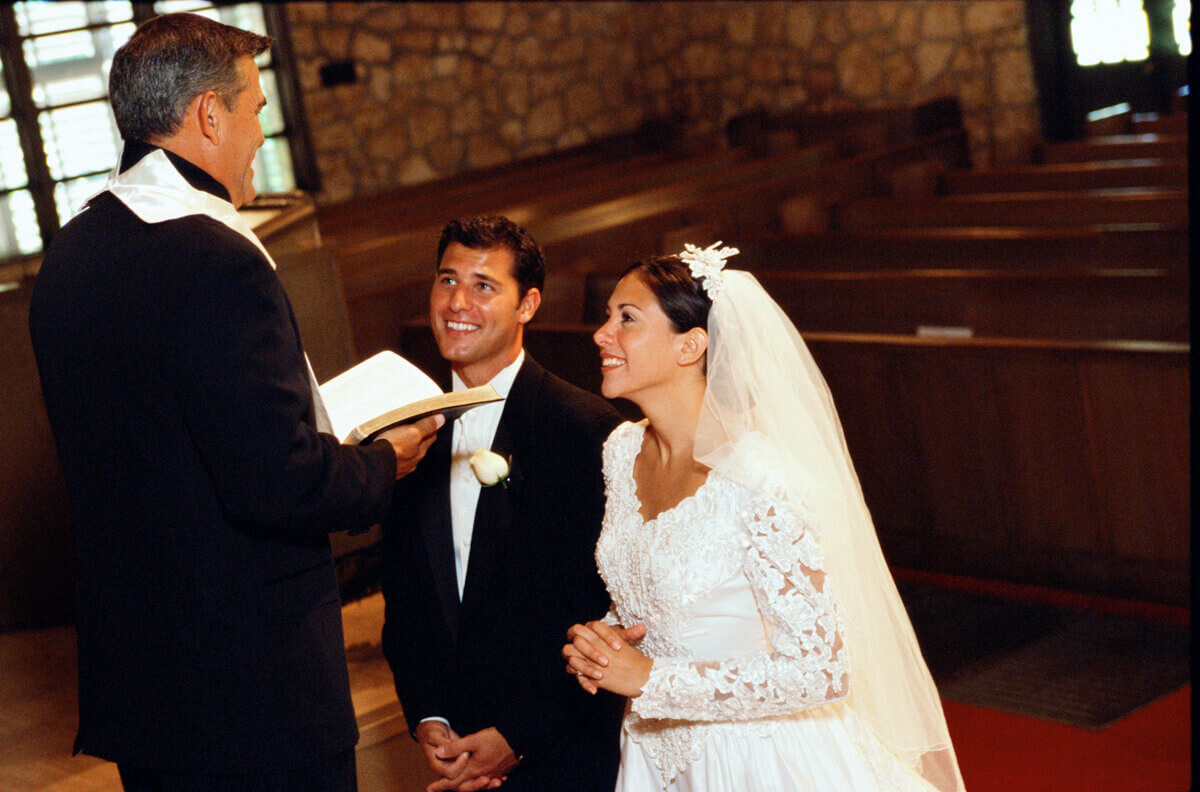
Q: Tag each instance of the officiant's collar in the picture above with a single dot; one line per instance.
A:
(196, 176)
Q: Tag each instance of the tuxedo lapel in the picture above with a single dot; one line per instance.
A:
(435, 530)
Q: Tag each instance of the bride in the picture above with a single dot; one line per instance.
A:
(776, 652)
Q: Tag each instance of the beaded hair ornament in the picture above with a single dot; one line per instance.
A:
(706, 265)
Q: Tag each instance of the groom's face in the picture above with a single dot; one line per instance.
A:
(477, 311)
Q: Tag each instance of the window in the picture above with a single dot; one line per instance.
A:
(58, 139)
(1109, 31)
(1113, 31)
(1181, 15)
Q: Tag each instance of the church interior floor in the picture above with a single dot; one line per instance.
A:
(1149, 750)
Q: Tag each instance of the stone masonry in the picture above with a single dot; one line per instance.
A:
(443, 88)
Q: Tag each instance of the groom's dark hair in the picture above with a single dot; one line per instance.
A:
(484, 233)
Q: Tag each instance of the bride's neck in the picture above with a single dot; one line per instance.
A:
(672, 424)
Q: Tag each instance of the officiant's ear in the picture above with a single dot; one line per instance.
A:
(207, 117)
(529, 305)
(694, 347)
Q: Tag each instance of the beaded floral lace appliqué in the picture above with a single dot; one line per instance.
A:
(655, 569)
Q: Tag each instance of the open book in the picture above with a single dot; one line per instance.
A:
(386, 390)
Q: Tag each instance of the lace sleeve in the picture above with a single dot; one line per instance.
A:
(806, 666)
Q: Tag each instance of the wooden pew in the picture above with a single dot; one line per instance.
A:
(1054, 463)
(411, 206)
(1045, 462)
(1100, 175)
(1051, 208)
(1037, 303)
(1116, 119)
(1119, 119)
(633, 226)
(382, 276)
(765, 131)
(1175, 123)
(737, 202)
(352, 222)
(370, 262)
(1113, 147)
(969, 248)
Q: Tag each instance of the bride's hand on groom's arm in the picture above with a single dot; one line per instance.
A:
(601, 657)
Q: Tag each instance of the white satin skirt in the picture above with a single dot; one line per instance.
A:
(826, 749)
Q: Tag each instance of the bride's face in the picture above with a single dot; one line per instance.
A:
(639, 348)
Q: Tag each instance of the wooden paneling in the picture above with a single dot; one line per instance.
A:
(36, 561)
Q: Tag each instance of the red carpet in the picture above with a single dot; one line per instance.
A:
(1148, 751)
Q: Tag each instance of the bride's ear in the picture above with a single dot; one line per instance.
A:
(694, 347)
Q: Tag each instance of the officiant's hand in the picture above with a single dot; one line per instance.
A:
(411, 441)
(601, 656)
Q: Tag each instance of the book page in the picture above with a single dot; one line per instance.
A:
(380, 383)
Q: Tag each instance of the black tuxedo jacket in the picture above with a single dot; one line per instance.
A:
(201, 494)
(495, 659)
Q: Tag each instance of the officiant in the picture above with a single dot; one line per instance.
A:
(201, 482)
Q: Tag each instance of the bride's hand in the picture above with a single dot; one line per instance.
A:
(600, 656)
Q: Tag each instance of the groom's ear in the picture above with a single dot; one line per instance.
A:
(694, 347)
(529, 305)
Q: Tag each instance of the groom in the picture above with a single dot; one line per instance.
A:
(481, 583)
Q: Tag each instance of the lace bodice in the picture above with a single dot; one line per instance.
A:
(741, 622)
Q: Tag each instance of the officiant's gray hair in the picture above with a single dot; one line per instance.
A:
(169, 61)
(483, 233)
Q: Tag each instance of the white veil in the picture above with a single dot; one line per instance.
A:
(761, 377)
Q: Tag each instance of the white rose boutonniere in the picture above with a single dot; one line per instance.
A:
(490, 468)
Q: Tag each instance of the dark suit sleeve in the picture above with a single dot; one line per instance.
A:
(242, 385)
(420, 665)
(566, 587)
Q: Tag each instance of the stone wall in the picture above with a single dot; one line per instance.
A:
(446, 87)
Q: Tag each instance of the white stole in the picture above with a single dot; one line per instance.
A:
(156, 191)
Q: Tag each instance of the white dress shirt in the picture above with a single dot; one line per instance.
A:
(473, 430)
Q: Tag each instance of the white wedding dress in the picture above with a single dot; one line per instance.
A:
(750, 688)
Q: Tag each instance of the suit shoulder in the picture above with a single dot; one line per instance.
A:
(567, 405)
(106, 230)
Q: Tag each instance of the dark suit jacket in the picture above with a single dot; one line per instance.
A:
(201, 495)
(495, 660)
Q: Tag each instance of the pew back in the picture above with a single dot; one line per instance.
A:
(1034, 303)
(1054, 463)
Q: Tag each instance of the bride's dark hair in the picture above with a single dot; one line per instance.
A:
(681, 297)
